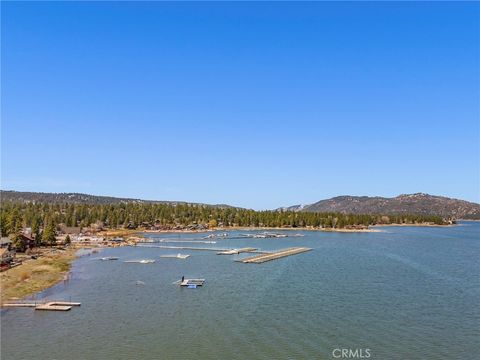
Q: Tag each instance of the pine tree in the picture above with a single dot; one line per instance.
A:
(48, 236)
(17, 237)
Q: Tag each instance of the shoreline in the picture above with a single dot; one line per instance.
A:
(414, 225)
(237, 228)
(33, 276)
(139, 232)
(299, 229)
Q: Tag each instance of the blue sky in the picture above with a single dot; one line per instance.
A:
(252, 104)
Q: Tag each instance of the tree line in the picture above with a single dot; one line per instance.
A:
(44, 218)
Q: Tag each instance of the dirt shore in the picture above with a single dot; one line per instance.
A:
(36, 275)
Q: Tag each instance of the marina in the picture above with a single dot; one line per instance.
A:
(263, 256)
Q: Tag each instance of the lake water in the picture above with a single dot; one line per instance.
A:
(405, 293)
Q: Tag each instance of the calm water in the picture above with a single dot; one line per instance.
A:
(406, 293)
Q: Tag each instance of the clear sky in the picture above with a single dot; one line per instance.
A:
(258, 105)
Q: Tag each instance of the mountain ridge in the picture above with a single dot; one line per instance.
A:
(81, 198)
(417, 203)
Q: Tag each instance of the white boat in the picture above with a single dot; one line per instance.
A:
(178, 256)
(143, 261)
(109, 258)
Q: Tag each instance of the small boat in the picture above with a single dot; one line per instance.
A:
(109, 258)
(140, 283)
(178, 256)
(143, 261)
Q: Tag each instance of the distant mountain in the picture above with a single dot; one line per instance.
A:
(420, 203)
(76, 198)
(293, 208)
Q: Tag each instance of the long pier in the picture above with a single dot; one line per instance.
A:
(220, 251)
(182, 248)
(259, 259)
(178, 241)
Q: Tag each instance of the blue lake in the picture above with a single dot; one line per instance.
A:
(403, 293)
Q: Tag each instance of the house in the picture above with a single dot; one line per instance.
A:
(24, 243)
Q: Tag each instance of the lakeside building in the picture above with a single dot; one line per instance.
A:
(28, 241)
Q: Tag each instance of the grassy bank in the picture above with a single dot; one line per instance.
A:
(35, 275)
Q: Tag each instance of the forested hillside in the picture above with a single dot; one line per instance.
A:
(14, 216)
(422, 204)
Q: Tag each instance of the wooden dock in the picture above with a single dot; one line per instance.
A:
(259, 259)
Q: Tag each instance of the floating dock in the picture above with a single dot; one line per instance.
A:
(51, 307)
(45, 305)
(178, 256)
(198, 282)
(237, 251)
(259, 259)
(190, 283)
